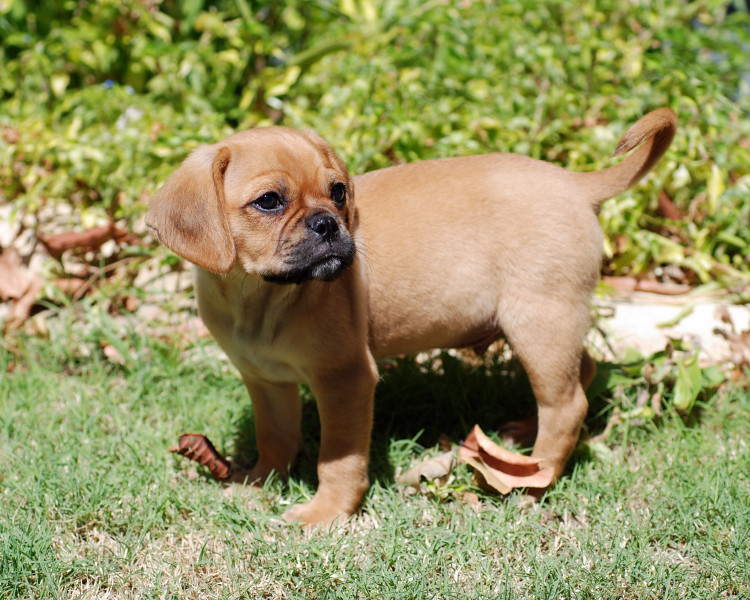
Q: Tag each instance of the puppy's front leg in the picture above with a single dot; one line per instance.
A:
(277, 412)
(345, 404)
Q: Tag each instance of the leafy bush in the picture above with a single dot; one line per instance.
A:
(101, 100)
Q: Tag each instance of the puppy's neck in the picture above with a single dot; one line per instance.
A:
(240, 288)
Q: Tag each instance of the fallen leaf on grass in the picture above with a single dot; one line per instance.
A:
(501, 469)
(199, 448)
(472, 500)
(432, 469)
(739, 341)
(18, 285)
(631, 284)
(86, 240)
(70, 286)
(14, 279)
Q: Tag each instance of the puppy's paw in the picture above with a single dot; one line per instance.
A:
(520, 433)
(316, 514)
(249, 477)
(254, 477)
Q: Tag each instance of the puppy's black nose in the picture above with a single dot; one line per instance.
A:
(324, 226)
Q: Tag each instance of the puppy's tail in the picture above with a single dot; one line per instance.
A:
(653, 133)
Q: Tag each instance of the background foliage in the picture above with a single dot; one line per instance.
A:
(100, 100)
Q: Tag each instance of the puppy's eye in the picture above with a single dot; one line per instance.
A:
(338, 194)
(269, 201)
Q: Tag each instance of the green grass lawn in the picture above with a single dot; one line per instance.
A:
(93, 505)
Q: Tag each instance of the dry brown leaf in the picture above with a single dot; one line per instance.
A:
(656, 401)
(667, 209)
(87, 240)
(432, 469)
(632, 284)
(70, 286)
(18, 285)
(501, 469)
(14, 279)
(199, 448)
(472, 500)
(739, 341)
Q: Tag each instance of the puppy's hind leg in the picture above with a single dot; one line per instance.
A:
(548, 340)
(523, 432)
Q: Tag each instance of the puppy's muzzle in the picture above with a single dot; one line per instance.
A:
(325, 252)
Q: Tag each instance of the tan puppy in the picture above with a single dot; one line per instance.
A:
(297, 283)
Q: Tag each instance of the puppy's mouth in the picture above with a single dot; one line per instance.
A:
(325, 268)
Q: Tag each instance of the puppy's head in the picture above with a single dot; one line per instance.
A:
(277, 201)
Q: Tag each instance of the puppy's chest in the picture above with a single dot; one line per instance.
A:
(256, 343)
(259, 360)
(255, 350)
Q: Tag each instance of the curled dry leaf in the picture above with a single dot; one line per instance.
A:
(21, 309)
(18, 285)
(432, 469)
(14, 279)
(70, 286)
(501, 469)
(739, 341)
(632, 284)
(86, 240)
(472, 500)
(199, 448)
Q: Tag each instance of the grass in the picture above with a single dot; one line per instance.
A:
(92, 505)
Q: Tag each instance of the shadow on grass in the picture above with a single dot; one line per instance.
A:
(445, 395)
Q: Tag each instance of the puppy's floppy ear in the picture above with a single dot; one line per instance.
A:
(189, 214)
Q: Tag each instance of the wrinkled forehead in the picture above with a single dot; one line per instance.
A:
(281, 153)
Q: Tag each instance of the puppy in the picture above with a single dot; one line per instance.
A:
(298, 283)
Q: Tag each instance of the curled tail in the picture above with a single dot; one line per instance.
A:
(653, 133)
